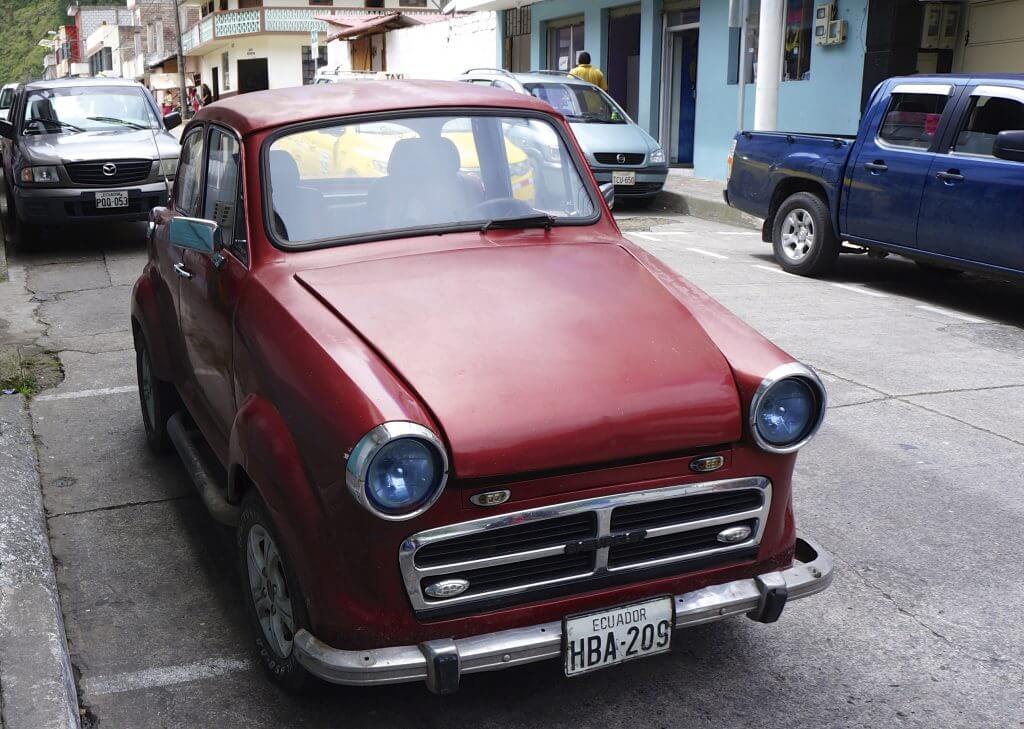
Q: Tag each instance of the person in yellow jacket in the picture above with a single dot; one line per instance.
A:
(585, 72)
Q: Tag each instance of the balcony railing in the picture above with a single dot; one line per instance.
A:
(230, 23)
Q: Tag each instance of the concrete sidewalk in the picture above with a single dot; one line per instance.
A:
(684, 193)
(37, 687)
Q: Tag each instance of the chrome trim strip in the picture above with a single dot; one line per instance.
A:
(1012, 93)
(359, 460)
(507, 648)
(602, 507)
(792, 370)
(923, 88)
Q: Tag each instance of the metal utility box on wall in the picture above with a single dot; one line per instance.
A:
(827, 30)
(941, 22)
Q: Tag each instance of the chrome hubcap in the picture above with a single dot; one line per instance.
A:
(269, 591)
(797, 235)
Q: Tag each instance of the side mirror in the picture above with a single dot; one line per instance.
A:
(608, 191)
(1009, 145)
(172, 120)
(196, 234)
(6, 129)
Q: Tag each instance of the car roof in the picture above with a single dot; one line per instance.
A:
(78, 82)
(256, 111)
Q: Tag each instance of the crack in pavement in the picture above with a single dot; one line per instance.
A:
(115, 507)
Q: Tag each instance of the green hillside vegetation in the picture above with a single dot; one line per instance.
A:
(22, 24)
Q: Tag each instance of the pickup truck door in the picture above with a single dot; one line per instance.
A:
(973, 205)
(886, 180)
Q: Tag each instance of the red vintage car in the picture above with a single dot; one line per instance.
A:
(459, 421)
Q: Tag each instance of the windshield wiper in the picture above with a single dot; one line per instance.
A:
(55, 122)
(115, 120)
(540, 220)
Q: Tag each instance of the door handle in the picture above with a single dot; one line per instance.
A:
(179, 268)
(876, 166)
(950, 176)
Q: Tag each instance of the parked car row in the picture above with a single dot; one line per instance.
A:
(83, 151)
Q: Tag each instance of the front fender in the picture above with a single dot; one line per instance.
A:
(145, 313)
(262, 450)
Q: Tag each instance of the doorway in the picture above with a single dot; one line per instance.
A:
(252, 75)
(624, 59)
(679, 85)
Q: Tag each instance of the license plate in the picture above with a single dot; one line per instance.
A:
(112, 199)
(618, 634)
(627, 177)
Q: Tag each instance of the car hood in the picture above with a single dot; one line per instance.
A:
(97, 146)
(614, 138)
(540, 357)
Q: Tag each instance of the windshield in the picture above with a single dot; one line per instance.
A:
(422, 173)
(6, 97)
(87, 108)
(579, 103)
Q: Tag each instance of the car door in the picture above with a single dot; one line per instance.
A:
(973, 204)
(887, 178)
(210, 284)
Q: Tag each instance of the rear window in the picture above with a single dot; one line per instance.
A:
(418, 174)
(912, 120)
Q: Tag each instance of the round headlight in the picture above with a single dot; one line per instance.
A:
(397, 470)
(787, 409)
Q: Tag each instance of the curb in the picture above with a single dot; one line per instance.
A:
(37, 687)
(704, 208)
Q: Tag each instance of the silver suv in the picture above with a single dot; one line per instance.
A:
(83, 151)
(617, 149)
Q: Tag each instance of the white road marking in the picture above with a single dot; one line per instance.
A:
(645, 236)
(86, 393)
(709, 253)
(168, 676)
(736, 232)
(668, 232)
(858, 290)
(771, 269)
(953, 314)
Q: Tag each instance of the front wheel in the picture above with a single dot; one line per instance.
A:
(803, 239)
(273, 599)
(158, 398)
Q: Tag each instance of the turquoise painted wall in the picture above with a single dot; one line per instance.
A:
(595, 38)
(828, 102)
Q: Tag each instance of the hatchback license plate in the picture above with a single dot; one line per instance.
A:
(111, 199)
(627, 177)
(618, 634)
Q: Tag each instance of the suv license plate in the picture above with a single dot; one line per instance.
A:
(627, 177)
(111, 199)
(616, 635)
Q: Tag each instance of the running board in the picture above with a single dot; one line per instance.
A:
(210, 491)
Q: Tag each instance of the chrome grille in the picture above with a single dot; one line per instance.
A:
(507, 557)
(612, 158)
(126, 171)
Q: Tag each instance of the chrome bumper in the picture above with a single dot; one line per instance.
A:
(441, 662)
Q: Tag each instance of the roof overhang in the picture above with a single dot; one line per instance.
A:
(349, 27)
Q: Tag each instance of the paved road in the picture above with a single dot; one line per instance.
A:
(914, 483)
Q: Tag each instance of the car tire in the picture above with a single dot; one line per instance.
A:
(270, 590)
(803, 239)
(158, 398)
(17, 233)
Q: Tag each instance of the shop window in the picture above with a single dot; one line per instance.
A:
(988, 116)
(564, 45)
(798, 38)
(308, 67)
(912, 120)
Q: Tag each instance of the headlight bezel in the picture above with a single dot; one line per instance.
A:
(657, 156)
(369, 447)
(790, 371)
(35, 170)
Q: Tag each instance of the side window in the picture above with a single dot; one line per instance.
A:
(986, 117)
(221, 200)
(188, 182)
(912, 120)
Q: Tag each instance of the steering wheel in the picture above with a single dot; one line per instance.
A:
(502, 207)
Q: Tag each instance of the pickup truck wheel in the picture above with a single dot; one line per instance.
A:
(802, 238)
(273, 599)
(158, 398)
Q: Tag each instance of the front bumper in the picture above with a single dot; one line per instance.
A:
(64, 205)
(441, 662)
(649, 180)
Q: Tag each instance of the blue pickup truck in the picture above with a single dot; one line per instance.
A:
(935, 173)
